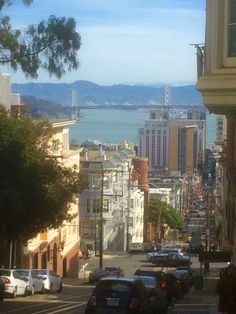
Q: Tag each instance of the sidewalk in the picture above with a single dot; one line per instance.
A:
(202, 301)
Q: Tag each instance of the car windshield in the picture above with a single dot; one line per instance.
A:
(5, 272)
(22, 273)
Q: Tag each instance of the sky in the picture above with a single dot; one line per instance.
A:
(146, 42)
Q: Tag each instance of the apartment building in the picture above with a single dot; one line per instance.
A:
(113, 201)
(59, 249)
(217, 83)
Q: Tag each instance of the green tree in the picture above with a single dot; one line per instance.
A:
(160, 213)
(35, 189)
(51, 45)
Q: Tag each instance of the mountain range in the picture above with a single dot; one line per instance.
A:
(88, 93)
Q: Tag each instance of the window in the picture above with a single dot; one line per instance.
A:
(230, 33)
(231, 29)
(95, 182)
(85, 228)
(96, 205)
(106, 205)
(88, 205)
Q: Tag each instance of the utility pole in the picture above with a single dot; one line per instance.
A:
(101, 224)
(128, 214)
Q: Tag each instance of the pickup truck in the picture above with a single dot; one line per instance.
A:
(170, 260)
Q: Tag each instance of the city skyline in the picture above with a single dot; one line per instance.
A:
(124, 42)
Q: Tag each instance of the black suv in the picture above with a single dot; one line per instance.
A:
(124, 295)
(162, 281)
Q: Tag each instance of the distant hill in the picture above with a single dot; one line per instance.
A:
(37, 106)
(90, 93)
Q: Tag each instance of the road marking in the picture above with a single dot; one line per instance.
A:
(65, 300)
(61, 308)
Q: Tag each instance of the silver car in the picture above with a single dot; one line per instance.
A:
(51, 281)
(33, 283)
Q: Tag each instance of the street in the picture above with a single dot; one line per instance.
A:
(75, 293)
(71, 300)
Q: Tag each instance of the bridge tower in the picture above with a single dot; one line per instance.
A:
(167, 96)
(74, 105)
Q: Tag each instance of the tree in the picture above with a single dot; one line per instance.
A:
(35, 188)
(160, 213)
(51, 45)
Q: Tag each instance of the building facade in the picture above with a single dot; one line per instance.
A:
(59, 249)
(217, 83)
(172, 145)
(113, 201)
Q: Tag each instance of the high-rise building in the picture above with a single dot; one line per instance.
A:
(172, 145)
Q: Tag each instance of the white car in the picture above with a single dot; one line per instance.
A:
(33, 282)
(51, 281)
(14, 284)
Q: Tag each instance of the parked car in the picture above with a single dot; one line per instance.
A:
(107, 271)
(14, 284)
(123, 295)
(2, 289)
(136, 247)
(170, 260)
(33, 283)
(151, 247)
(51, 281)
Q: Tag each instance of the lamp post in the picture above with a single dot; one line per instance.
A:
(101, 225)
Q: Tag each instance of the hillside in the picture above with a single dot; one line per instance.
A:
(90, 93)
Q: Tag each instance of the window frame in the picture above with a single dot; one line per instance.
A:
(228, 62)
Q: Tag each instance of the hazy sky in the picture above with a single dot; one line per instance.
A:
(125, 41)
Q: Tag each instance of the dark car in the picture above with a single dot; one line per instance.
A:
(195, 248)
(96, 275)
(157, 302)
(162, 281)
(124, 295)
(2, 289)
(175, 287)
(184, 278)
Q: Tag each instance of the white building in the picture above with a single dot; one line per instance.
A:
(112, 198)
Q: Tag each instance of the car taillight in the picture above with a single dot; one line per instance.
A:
(92, 300)
(7, 280)
(164, 284)
(26, 279)
(43, 277)
(134, 304)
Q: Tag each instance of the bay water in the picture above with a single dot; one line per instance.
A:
(112, 126)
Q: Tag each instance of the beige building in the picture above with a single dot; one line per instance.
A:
(217, 83)
(172, 145)
(59, 249)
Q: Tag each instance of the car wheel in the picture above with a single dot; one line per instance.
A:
(1, 297)
(14, 293)
(25, 292)
(60, 288)
(32, 290)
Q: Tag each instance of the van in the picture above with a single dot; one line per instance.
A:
(136, 247)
